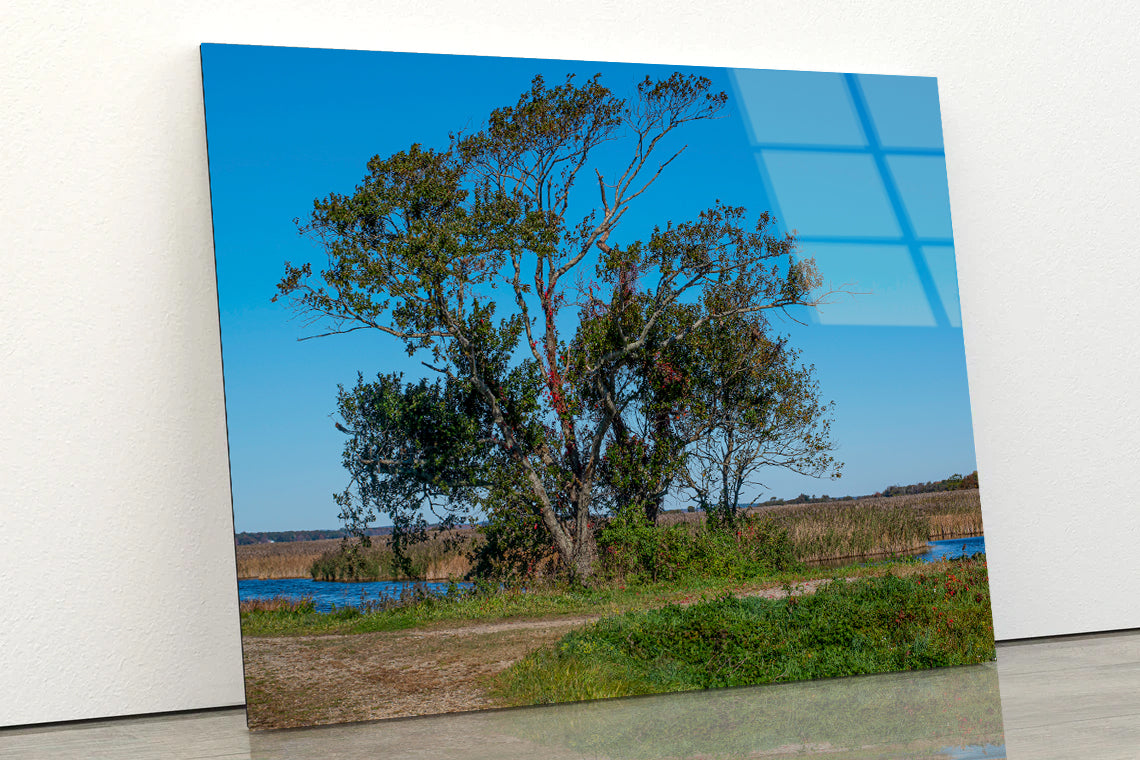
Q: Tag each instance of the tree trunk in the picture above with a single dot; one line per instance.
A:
(584, 560)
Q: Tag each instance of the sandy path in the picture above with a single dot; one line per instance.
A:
(307, 680)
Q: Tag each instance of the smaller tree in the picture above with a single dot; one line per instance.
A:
(753, 408)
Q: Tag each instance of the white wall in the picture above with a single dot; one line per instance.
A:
(117, 564)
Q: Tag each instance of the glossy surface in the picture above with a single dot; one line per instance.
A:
(1061, 698)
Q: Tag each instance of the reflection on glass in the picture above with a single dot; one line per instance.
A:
(830, 194)
(940, 261)
(904, 109)
(858, 160)
(921, 181)
(814, 108)
(881, 283)
(952, 713)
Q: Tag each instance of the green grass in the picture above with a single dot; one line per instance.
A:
(634, 550)
(414, 611)
(869, 625)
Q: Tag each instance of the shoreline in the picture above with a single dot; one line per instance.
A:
(812, 563)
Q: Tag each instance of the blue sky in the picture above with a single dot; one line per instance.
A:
(853, 164)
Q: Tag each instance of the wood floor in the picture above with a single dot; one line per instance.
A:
(1061, 699)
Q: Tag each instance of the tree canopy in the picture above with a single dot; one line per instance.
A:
(573, 371)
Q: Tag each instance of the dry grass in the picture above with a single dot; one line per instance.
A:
(952, 514)
(288, 559)
(292, 559)
(277, 604)
(303, 681)
(836, 531)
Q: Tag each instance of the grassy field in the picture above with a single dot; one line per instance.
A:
(287, 617)
(491, 649)
(826, 533)
(831, 612)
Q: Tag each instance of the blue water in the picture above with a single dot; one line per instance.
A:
(959, 547)
(326, 594)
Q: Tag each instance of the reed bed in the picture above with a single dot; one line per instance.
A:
(835, 531)
(287, 559)
(278, 604)
(433, 559)
(877, 527)
(442, 556)
(952, 514)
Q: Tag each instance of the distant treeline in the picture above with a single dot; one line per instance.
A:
(953, 483)
(282, 536)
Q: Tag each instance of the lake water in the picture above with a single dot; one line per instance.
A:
(958, 547)
(325, 594)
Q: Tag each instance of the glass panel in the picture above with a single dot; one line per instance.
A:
(798, 107)
(921, 181)
(830, 193)
(940, 260)
(885, 285)
(904, 110)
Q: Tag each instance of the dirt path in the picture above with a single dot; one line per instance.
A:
(306, 680)
(309, 680)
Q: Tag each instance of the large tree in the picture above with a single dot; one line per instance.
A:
(424, 244)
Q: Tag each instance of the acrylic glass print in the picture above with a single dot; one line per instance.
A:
(552, 380)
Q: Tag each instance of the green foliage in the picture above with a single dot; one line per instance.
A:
(349, 562)
(871, 625)
(635, 550)
(410, 446)
(492, 601)
(516, 548)
(753, 408)
(438, 557)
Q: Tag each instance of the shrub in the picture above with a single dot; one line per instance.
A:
(347, 563)
(637, 551)
(515, 549)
